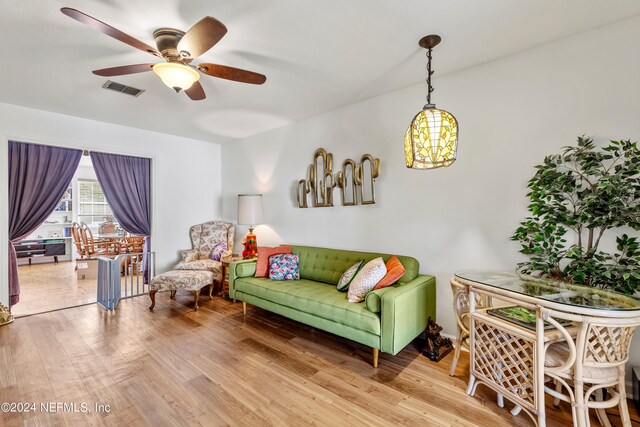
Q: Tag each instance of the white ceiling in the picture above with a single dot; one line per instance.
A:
(317, 55)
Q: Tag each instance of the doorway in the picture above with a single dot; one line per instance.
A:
(56, 269)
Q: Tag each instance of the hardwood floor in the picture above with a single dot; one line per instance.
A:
(176, 366)
(46, 287)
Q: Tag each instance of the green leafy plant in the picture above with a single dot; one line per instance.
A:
(578, 195)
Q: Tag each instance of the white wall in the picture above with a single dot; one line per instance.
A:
(185, 173)
(511, 113)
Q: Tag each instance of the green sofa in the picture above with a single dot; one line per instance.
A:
(387, 320)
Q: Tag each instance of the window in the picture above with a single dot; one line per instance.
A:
(93, 208)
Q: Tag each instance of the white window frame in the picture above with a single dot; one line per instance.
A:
(93, 224)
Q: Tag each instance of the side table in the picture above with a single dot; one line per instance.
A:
(224, 278)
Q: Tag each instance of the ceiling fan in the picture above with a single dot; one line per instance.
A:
(178, 49)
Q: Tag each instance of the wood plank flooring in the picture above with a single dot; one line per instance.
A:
(49, 286)
(215, 367)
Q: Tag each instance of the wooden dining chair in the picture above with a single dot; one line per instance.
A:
(595, 363)
(76, 234)
(134, 247)
(131, 244)
(93, 247)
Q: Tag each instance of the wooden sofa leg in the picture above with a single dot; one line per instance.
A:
(244, 308)
(375, 357)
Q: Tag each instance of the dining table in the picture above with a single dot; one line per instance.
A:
(508, 355)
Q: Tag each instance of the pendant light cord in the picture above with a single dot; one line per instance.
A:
(429, 73)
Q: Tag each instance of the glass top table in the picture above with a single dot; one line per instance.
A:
(578, 298)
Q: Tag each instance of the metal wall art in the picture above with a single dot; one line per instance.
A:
(347, 182)
(355, 180)
(366, 172)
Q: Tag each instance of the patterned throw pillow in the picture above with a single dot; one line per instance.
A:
(218, 250)
(284, 267)
(395, 270)
(348, 276)
(366, 279)
(264, 253)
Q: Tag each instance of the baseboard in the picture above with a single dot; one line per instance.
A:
(451, 337)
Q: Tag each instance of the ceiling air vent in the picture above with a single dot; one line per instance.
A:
(118, 87)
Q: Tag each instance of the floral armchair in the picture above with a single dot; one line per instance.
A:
(203, 238)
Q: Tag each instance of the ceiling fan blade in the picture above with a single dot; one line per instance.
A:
(230, 73)
(108, 30)
(195, 92)
(125, 69)
(202, 36)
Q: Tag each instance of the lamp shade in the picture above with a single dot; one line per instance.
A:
(431, 141)
(249, 209)
(176, 75)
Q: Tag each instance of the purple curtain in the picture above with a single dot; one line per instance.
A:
(38, 177)
(126, 183)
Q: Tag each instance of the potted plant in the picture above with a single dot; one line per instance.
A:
(575, 198)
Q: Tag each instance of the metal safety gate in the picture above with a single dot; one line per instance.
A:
(125, 276)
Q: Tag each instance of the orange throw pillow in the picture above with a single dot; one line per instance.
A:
(264, 252)
(395, 270)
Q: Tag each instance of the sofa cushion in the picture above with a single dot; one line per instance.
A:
(264, 252)
(327, 265)
(373, 302)
(313, 298)
(245, 269)
(395, 270)
(348, 276)
(284, 267)
(366, 280)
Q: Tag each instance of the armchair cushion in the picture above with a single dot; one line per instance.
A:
(201, 264)
(190, 255)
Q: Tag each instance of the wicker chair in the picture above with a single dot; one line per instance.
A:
(591, 365)
(463, 319)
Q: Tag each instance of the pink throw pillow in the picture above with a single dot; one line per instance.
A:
(264, 252)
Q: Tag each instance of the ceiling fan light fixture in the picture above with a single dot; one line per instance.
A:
(175, 75)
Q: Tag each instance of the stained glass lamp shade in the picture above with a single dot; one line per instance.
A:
(431, 140)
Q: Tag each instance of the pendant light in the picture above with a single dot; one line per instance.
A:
(431, 140)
